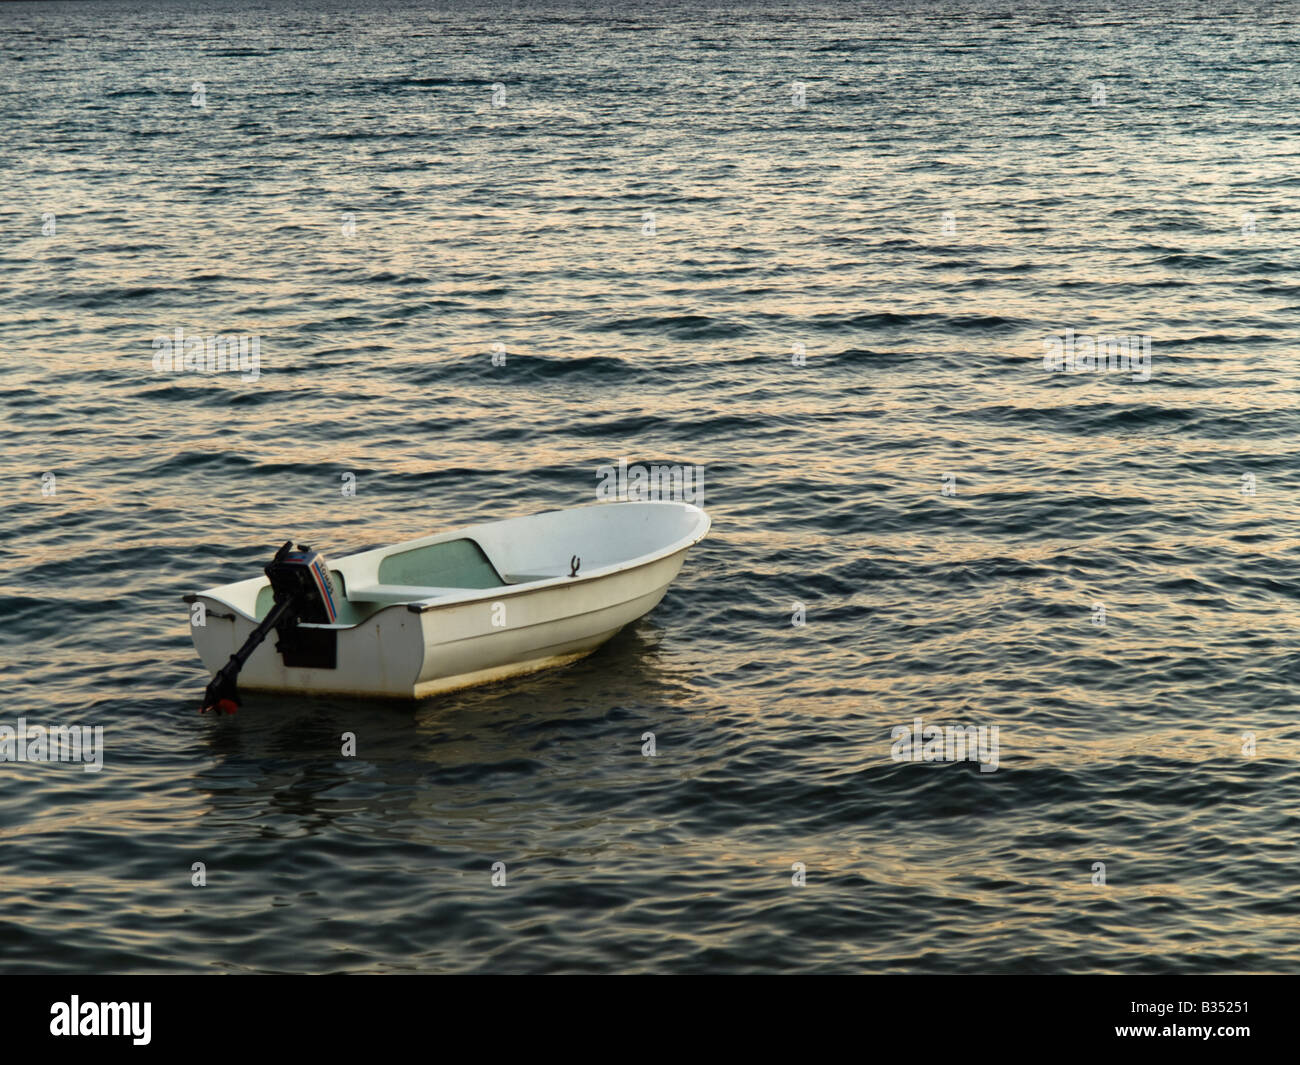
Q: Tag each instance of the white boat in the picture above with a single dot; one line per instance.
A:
(451, 610)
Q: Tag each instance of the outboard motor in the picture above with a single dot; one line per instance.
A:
(303, 591)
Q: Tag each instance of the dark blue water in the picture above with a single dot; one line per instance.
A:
(817, 251)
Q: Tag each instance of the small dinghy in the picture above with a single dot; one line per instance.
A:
(446, 611)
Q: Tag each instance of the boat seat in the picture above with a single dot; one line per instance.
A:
(400, 593)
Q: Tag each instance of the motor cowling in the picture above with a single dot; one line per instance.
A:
(303, 575)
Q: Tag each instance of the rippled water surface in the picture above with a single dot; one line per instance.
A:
(656, 210)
